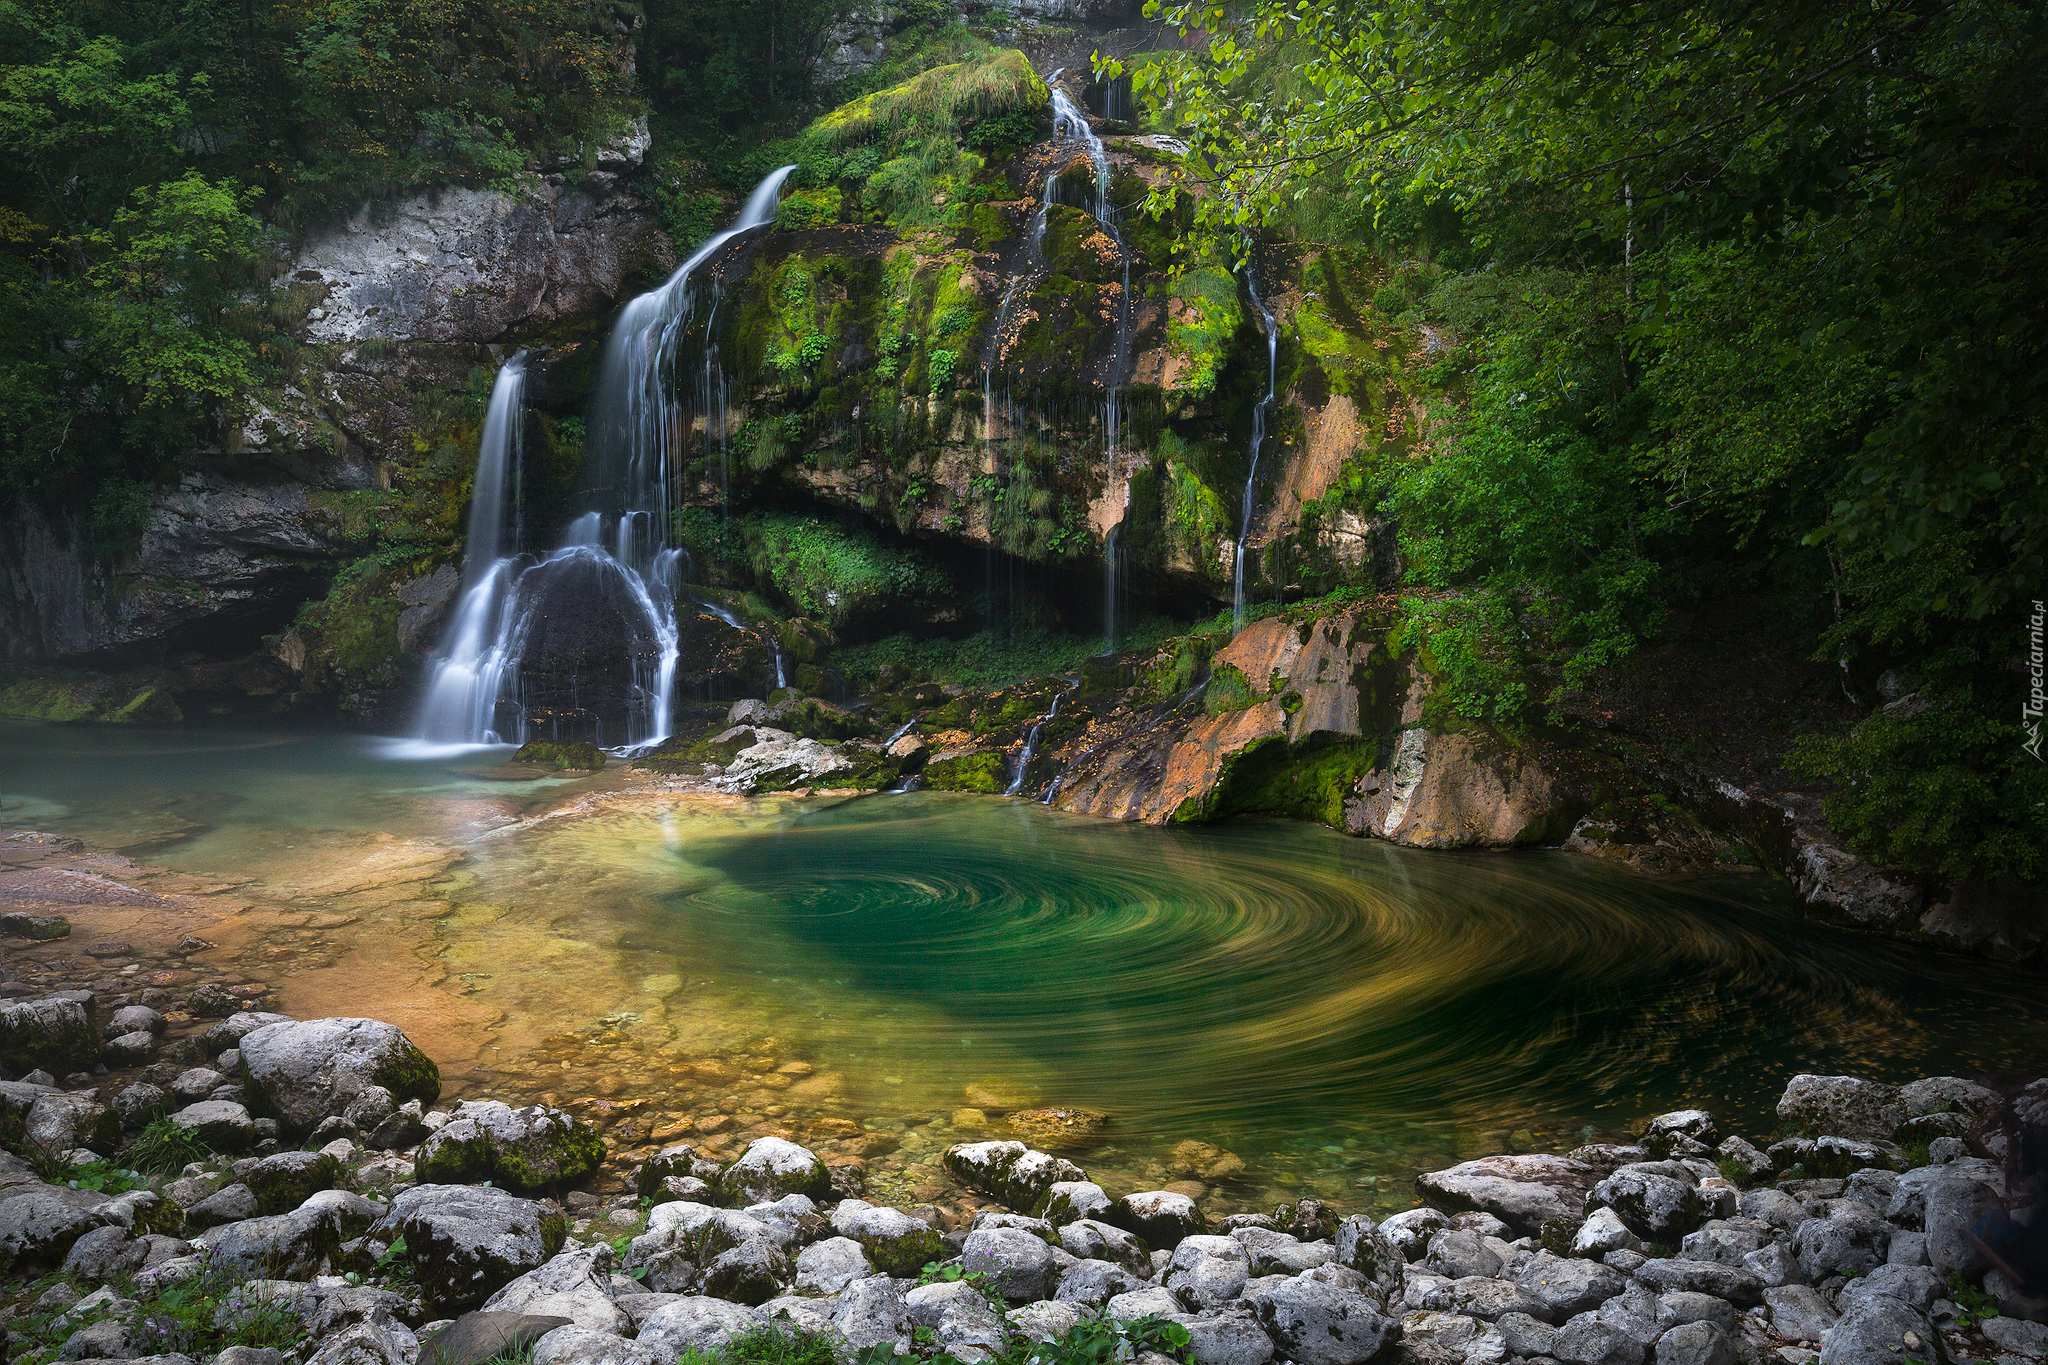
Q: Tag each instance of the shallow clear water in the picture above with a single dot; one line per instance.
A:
(1336, 1012)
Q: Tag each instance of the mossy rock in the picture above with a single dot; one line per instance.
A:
(557, 754)
(983, 772)
(151, 706)
(523, 1150)
(690, 757)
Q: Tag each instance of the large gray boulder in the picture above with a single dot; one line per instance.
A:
(222, 1125)
(1161, 1217)
(772, 1168)
(528, 1150)
(572, 1285)
(967, 1327)
(1320, 1324)
(1093, 1240)
(1272, 1252)
(1880, 1331)
(872, 1312)
(58, 1122)
(898, 1244)
(1363, 1247)
(694, 1322)
(301, 1073)
(825, 1267)
(1069, 1201)
(1016, 1264)
(1017, 1175)
(1799, 1313)
(292, 1246)
(1228, 1338)
(37, 1230)
(752, 1273)
(1696, 1343)
(468, 1242)
(1566, 1287)
(1852, 1239)
(1207, 1272)
(1409, 1232)
(1678, 1275)
(573, 1345)
(285, 1180)
(56, 1034)
(1094, 1283)
(1522, 1191)
(1843, 1106)
(1658, 1201)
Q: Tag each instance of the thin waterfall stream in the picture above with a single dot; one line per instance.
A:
(1251, 477)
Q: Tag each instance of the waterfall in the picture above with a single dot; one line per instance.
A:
(1251, 492)
(636, 428)
(1025, 755)
(1067, 116)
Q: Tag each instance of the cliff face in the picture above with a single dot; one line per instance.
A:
(400, 304)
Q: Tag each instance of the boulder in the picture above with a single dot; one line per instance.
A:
(526, 1150)
(1799, 1313)
(1521, 1191)
(54, 1034)
(368, 1343)
(1852, 1239)
(1069, 1201)
(1319, 1324)
(478, 1336)
(1094, 1283)
(1271, 1252)
(1146, 1301)
(1602, 1232)
(1477, 1296)
(1949, 1209)
(1917, 1285)
(301, 1073)
(467, 1242)
(106, 1253)
(1676, 1274)
(1696, 1343)
(1046, 1320)
(1207, 1272)
(751, 1273)
(294, 1246)
(222, 1125)
(1880, 1331)
(679, 1162)
(895, 1242)
(1228, 1338)
(1669, 1134)
(573, 1345)
(286, 1180)
(1409, 1232)
(769, 1169)
(824, 1268)
(1160, 1217)
(1455, 1253)
(1014, 1263)
(1566, 1287)
(1017, 1175)
(229, 1032)
(1831, 1157)
(58, 1122)
(572, 1286)
(1361, 1245)
(230, 1203)
(1092, 1239)
(967, 1327)
(1842, 1106)
(37, 1231)
(1655, 1200)
(872, 1312)
(1591, 1339)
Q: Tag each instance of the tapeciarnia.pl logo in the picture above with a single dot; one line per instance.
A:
(2030, 710)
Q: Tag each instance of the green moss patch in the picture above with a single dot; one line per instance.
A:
(987, 773)
(558, 754)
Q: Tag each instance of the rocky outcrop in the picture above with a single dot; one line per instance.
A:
(472, 265)
(220, 560)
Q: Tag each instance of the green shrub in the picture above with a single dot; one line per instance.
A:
(163, 1148)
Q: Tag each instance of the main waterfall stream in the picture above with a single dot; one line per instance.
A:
(1337, 1012)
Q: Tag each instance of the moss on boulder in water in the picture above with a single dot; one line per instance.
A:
(527, 1150)
(560, 754)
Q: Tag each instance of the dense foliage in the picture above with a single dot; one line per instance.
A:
(1714, 293)
(158, 154)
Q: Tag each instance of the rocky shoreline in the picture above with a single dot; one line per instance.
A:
(306, 1200)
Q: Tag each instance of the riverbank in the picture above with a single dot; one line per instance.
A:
(312, 1198)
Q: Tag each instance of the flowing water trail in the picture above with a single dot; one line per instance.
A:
(1251, 478)
(637, 424)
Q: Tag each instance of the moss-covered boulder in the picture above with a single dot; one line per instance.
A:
(286, 1180)
(561, 754)
(530, 1150)
(895, 1243)
(300, 1073)
(771, 1168)
(56, 1034)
